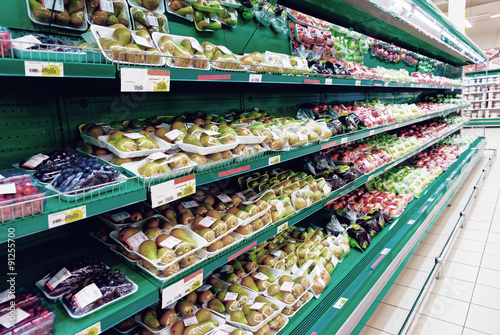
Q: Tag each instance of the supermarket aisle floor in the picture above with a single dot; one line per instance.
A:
(466, 301)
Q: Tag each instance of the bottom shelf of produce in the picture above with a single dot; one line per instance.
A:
(358, 280)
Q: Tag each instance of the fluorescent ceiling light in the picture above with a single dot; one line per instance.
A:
(467, 24)
(422, 17)
(495, 15)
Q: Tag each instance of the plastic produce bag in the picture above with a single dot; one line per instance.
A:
(359, 237)
(334, 227)
(373, 222)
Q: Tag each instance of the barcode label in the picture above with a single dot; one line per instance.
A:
(170, 242)
(224, 198)
(136, 240)
(117, 217)
(287, 287)
(173, 134)
(279, 207)
(203, 288)
(35, 160)
(207, 222)
(190, 321)
(106, 6)
(152, 20)
(87, 295)
(261, 276)
(258, 305)
(226, 268)
(59, 277)
(190, 204)
(231, 296)
(133, 136)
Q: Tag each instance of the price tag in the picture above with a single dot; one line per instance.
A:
(136, 240)
(6, 296)
(142, 41)
(204, 288)
(224, 198)
(144, 80)
(386, 84)
(58, 6)
(67, 216)
(106, 6)
(410, 222)
(117, 217)
(170, 242)
(211, 132)
(207, 222)
(87, 295)
(230, 296)
(286, 287)
(156, 155)
(189, 204)
(222, 332)
(190, 321)
(226, 268)
(35, 160)
(328, 81)
(334, 261)
(276, 253)
(172, 190)
(261, 276)
(340, 303)
(189, 17)
(279, 207)
(134, 136)
(174, 292)
(282, 227)
(343, 140)
(385, 251)
(173, 134)
(9, 188)
(241, 196)
(372, 132)
(152, 20)
(164, 125)
(59, 277)
(95, 329)
(43, 69)
(357, 83)
(255, 78)
(257, 306)
(274, 160)
(6, 320)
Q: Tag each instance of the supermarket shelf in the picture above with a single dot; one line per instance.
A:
(266, 233)
(487, 122)
(360, 277)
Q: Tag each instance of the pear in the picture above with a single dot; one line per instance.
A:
(122, 36)
(193, 140)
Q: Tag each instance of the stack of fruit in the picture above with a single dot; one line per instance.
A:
(365, 157)
(183, 52)
(102, 17)
(149, 21)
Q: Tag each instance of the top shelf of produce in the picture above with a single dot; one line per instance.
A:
(416, 25)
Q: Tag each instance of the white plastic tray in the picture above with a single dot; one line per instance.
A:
(169, 10)
(256, 216)
(236, 237)
(160, 9)
(77, 195)
(178, 39)
(133, 167)
(207, 150)
(98, 239)
(124, 10)
(306, 289)
(164, 146)
(82, 28)
(113, 248)
(250, 139)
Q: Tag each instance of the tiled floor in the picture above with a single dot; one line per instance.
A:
(466, 301)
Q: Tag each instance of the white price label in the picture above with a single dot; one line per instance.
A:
(224, 198)
(67, 216)
(286, 287)
(7, 321)
(172, 190)
(282, 227)
(173, 134)
(43, 69)
(357, 83)
(211, 132)
(136, 240)
(164, 125)
(142, 41)
(279, 207)
(343, 140)
(35, 160)
(231, 296)
(301, 229)
(257, 306)
(117, 217)
(221, 332)
(226, 268)
(95, 329)
(274, 160)
(340, 303)
(255, 78)
(106, 6)
(87, 295)
(328, 81)
(372, 132)
(6, 296)
(59, 277)
(295, 268)
(156, 155)
(334, 261)
(204, 288)
(326, 189)
(189, 204)
(190, 321)
(152, 20)
(170, 242)
(144, 80)
(409, 222)
(386, 84)
(276, 253)
(207, 222)
(385, 251)
(134, 136)
(58, 6)
(178, 290)
(241, 196)
(261, 276)
(8, 188)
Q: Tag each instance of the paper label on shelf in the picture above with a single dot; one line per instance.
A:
(136, 240)
(340, 303)
(145, 80)
(257, 305)
(6, 319)
(224, 198)
(190, 321)
(343, 140)
(134, 136)
(261, 276)
(286, 287)
(67, 216)
(274, 160)
(328, 81)
(385, 251)
(106, 6)
(226, 268)
(9, 188)
(170, 242)
(43, 69)
(276, 253)
(173, 134)
(35, 160)
(282, 227)
(117, 217)
(386, 84)
(174, 292)
(59, 277)
(211, 132)
(87, 295)
(156, 155)
(58, 6)
(6, 296)
(189, 204)
(411, 222)
(204, 288)
(207, 222)
(372, 132)
(357, 83)
(172, 190)
(255, 78)
(279, 207)
(231, 296)
(152, 20)
(95, 329)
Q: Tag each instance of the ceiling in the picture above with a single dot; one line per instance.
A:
(443, 4)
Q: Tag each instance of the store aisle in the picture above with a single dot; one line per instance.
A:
(466, 301)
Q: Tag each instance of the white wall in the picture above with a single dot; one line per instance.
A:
(484, 33)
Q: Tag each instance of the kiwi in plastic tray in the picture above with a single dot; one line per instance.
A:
(34, 314)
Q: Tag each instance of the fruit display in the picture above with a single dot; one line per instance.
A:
(20, 196)
(221, 58)
(48, 166)
(117, 12)
(128, 215)
(364, 157)
(131, 144)
(85, 285)
(34, 315)
(161, 164)
(182, 9)
(229, 16)
(149, 21)
(70, 14)
(156, 6)
(183, 52)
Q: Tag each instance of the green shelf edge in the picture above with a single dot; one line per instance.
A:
(395, 240)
